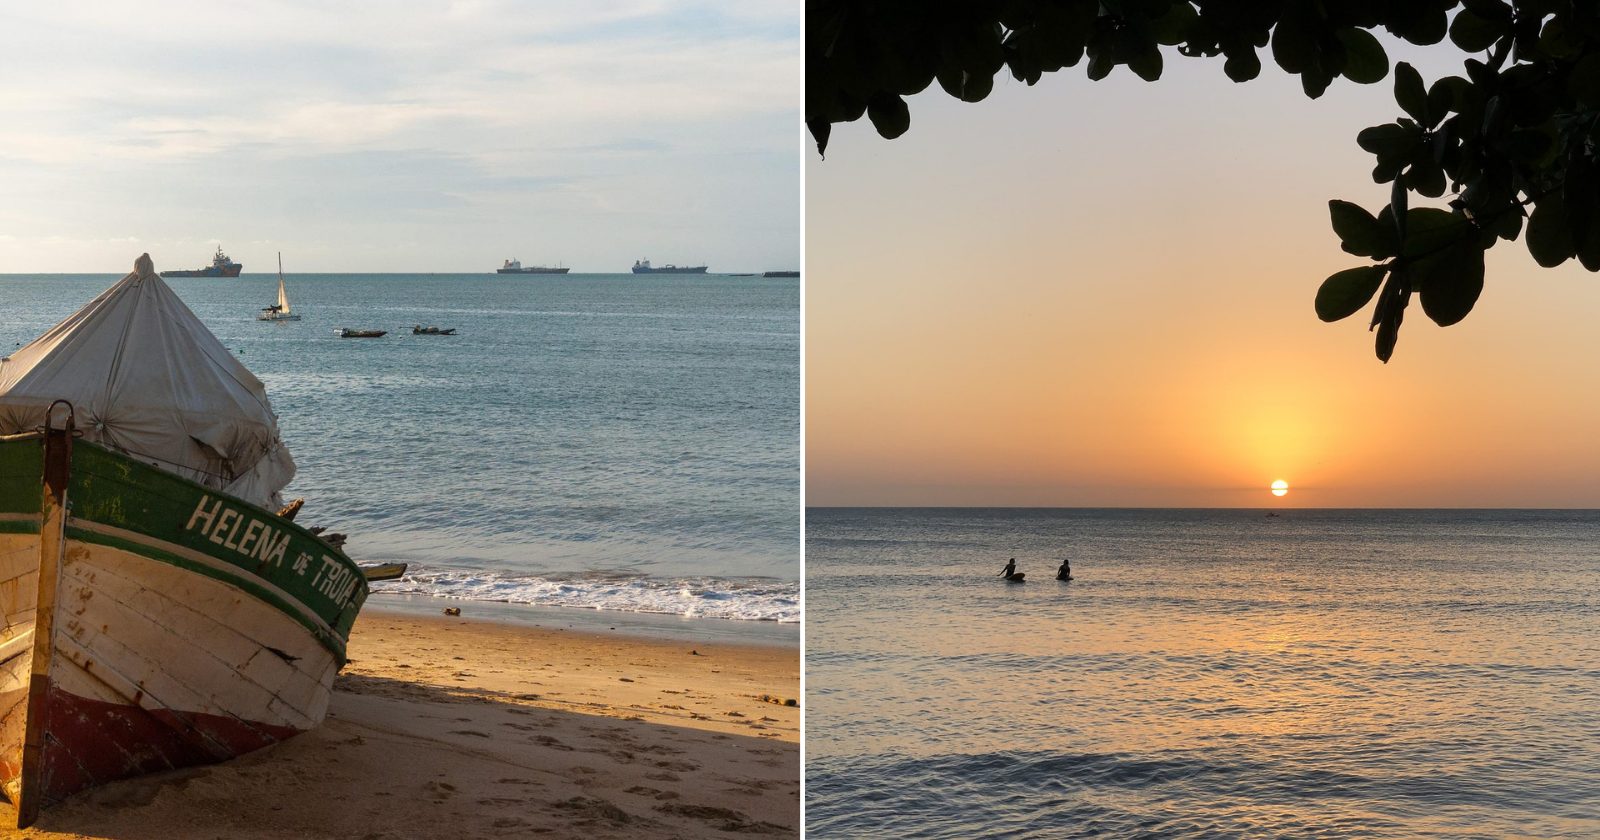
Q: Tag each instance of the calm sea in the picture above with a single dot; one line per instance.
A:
(1216, 674)
(587, 441)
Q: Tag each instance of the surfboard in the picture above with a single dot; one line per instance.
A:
(1016, 577)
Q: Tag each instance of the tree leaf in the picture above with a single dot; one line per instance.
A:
(1100, 63)
(820, 129)
(1293, 46)
(1409, 92)
(1473, 33)
(1345, 292)
(1449, 282)
(1390, 140)
(1584, 83)
(1589, 254)
(1391, 311)
(1365, 62)
(1398, 200)
(1426, 177)
(1430, 230)
(889, 115)
(976, 86)
(1447, 94)
(1549, 237)
(1359, 232)
(1243, 65)
(1146, 64)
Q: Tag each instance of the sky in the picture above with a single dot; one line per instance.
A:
(1100, 294)
(400, 136)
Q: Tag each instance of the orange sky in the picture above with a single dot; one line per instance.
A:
(1088, 294)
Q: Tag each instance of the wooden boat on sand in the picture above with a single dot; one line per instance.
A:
(158, 613)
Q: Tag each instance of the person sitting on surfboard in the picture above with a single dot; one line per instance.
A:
(1065, 572)
(1010, 569)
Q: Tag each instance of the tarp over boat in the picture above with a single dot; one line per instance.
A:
(147, 377)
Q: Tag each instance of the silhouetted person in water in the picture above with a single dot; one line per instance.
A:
(1010, 569)
(1065, 572)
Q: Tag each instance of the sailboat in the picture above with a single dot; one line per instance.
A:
(279, 311)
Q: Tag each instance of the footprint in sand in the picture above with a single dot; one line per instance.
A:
(723, 819)
(654, 793)
(551, 742)
(589, 809)
(681, 766)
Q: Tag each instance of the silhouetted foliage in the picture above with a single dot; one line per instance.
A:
(1513, 138)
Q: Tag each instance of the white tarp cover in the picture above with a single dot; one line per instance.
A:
(146, 377)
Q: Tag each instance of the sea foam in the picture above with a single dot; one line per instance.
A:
(744, 599)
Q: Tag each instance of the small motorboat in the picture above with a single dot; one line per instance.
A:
(419, 329)
(346, 332)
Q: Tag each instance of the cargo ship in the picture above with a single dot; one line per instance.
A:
(516, 267)
(221, 266)
(644, 267)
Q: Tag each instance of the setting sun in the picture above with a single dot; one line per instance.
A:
(1280, 487)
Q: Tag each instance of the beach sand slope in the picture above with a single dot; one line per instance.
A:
(455, 728)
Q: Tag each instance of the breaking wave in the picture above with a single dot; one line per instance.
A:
(741, 599)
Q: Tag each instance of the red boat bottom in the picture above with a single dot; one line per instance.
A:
(91, 742)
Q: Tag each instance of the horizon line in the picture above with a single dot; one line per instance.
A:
(1189, 507)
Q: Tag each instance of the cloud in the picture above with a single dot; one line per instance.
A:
(379, 111)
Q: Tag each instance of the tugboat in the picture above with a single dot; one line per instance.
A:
(221, 266)
(644, 267)
(516, 267)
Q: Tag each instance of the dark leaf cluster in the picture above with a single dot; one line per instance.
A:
(1511, 146)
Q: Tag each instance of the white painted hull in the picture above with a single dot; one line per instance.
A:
(142, 648)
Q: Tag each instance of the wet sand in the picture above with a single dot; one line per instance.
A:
(449, 727)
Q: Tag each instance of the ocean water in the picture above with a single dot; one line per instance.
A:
(604, 442)
(1215, 674)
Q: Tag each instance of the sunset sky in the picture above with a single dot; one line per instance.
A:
(415, 135)
(1100, 294)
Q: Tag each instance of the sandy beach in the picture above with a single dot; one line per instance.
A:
(451, 727)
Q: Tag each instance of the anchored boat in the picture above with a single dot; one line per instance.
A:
(158, 612)
(516, 267)
(279, 311)
(644, 267)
